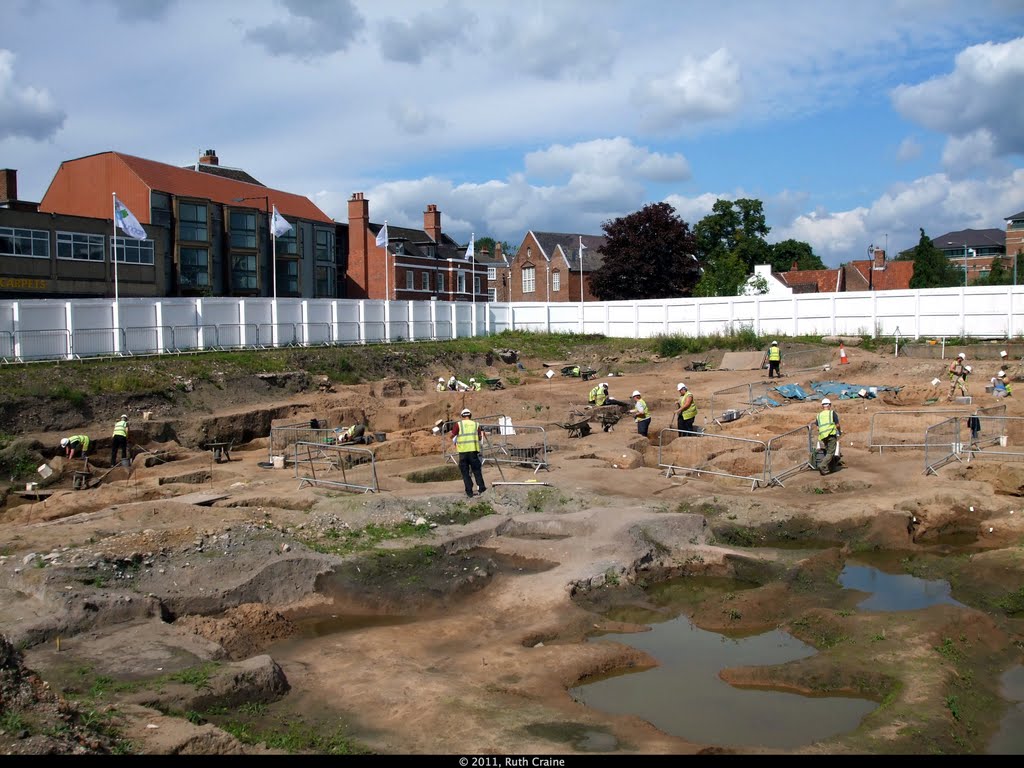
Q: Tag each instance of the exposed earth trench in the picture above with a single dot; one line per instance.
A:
(180, 605)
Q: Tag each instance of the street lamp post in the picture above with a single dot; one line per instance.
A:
(966, 251)
(266, 202)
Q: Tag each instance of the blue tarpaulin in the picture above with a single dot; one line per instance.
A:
(844, 391)
(791, 391)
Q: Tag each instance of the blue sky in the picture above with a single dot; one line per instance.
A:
(854, 123)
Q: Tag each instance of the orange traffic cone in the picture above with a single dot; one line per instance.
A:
(842, 355)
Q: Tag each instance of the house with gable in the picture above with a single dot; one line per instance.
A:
(875, 274)
(416, 264)
(547, 267)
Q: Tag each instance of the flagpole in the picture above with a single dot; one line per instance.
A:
(472, 242)
(581, 284)
(273, 269)
(387, 288)
(113, 241)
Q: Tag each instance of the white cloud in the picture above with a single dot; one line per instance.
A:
(698, 90)
(558, 41)
(25, 111)
(141, 10)
(974, 151)
(311, 29)
(617, 158)
(982, 93)
(413, 120)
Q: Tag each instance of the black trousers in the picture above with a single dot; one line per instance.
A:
(643, 425)
(119, 443)
(773, 367)
(469, 462)
(685, 425)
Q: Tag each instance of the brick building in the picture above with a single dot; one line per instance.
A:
(547, 267)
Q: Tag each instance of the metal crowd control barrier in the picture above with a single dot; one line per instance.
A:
(805, 360)
(42, 345)
(316, 334)
(335, 464)
(707, 454)
(286, 335)
(148, 339)
(1005, 435)
(942, 444)
(6, 346)
(901, 429)
(788, 453)
(96, 342)
(347, 333)
(750, 398)
(284, 435)
(517, 446)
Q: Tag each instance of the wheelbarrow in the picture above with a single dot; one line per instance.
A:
(493, 384)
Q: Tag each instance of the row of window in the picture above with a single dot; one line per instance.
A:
(410, 281)
(75, 246)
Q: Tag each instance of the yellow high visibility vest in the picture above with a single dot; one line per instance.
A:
(690, 411)
(775, 354)
(826, 424)
(467, 440)
(121, 428)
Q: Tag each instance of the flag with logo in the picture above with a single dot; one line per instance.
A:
(382, 236)
(471, 250)
(126, 221)
(279, 225)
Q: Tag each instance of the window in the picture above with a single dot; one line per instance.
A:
(34, 243)
(440, 282)
(1016, 224)
(243, 273)
(461, 282)
(287, 276)
(80, 247)
(287, 244)
(410, 280)
(243, 230)
(556, 281)
(192, 223)
(132, 251)
(529, 280)
(194, 271)
(325, 279)
(492, 273)
(425, 281)
(492, 295)
(325, 273)
(476, 285)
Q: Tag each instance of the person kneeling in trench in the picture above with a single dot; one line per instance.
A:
(354, 435)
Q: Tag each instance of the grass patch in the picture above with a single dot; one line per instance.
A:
(296, 737)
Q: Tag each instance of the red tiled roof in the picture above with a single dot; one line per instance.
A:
(895, 277)
(824, 280)
(185, 182)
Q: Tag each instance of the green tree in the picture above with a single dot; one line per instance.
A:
(999, 273)
(788, 251)
(932, 269)
(648, 254)
(489, 242)
(730, 242)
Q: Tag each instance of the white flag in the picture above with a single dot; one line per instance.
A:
(382, 236)
(471, 250)
(279, 224)
(127, 222)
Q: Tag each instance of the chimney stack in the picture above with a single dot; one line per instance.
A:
(8, 184)
(209, 157)
(879, 261)
(497, 252)
(432, 223)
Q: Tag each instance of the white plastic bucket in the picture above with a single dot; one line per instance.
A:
(1002, 441)
(278, 462)
(44, 470)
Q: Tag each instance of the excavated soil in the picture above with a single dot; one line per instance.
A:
(185, 606)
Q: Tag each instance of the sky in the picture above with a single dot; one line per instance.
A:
(855, 123)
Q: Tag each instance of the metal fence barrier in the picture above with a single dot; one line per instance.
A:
(905, 428)
(42, 345)
(96, 342)
(448, 452)
(6, 346)
(338, 466)
(285, 435)
(789, 453)
(525, 446)
(708, 454)
(994, 437)
(942, 444)
(803, 360)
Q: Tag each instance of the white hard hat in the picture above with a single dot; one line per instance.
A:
(968, 368)
(826, 401)
(1003, 353)
(636, 393)
(604, 384)
(63, 442)
(124, 415)
(440, 378)
(680, 385)
(471, 378)
(863, 393)
(1002, 373)
(466, 412)
(962, 355)
(775, 342)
